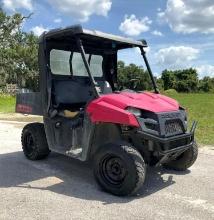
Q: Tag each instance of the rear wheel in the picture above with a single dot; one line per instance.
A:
(185, 160)
(34, 143)
(119, 169)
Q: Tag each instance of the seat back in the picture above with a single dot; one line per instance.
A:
(76, 92)
(71, 93)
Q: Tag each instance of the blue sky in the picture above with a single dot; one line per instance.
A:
(180, 33)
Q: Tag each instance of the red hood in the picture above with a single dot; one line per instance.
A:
(146, 101)
(111, 108)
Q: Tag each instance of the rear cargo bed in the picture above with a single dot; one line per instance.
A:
(29, 103)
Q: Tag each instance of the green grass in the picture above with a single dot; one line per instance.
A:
(7, 104)
(200, 107)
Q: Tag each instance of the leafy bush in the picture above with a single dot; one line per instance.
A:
(181, 80)
(170, 92)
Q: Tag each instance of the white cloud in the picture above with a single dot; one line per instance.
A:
(132, 26)
(82, 9)
(13, 5)
(57, 20)
(157, 33)
(176, 57)
(189, 16)
(147, 49)
(137, 50)
(38, 30)
(205, 70)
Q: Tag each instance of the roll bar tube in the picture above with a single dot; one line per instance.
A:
(83, 54)
(143, 53)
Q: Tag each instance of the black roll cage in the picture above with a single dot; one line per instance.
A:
(90, 39)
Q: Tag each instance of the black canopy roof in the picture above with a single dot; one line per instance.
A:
(69, 34)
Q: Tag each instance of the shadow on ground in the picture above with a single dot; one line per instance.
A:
(76, 178)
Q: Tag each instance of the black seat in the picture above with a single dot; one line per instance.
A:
(70, 93)
(75, 93)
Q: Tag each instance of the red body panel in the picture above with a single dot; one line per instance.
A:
(25, 109)
(111, 108)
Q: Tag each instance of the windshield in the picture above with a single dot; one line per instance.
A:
(132, 71)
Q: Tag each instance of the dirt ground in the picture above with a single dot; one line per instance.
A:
(62, 188)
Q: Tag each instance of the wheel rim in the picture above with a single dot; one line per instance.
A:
(113, 170)
(29, 143)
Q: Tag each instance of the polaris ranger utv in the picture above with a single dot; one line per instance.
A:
(87, 118)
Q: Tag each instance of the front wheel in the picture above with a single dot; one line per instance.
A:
(185, 160)
(119, 169)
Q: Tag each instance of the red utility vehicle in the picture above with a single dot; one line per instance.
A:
(87, 118)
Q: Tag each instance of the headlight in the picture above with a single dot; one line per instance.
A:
(134, 111)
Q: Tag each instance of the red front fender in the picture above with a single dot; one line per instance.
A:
(100, 111)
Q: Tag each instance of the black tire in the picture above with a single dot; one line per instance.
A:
(119, 169)
(34, 142)
(185, 160)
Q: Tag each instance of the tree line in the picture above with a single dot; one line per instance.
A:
(19, 64)
(187, 80)
(18, 52)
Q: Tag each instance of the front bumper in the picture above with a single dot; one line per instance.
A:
(169, 147)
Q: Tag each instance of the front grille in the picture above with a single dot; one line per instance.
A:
(173, 127)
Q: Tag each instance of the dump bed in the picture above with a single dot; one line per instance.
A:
(29, 103)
